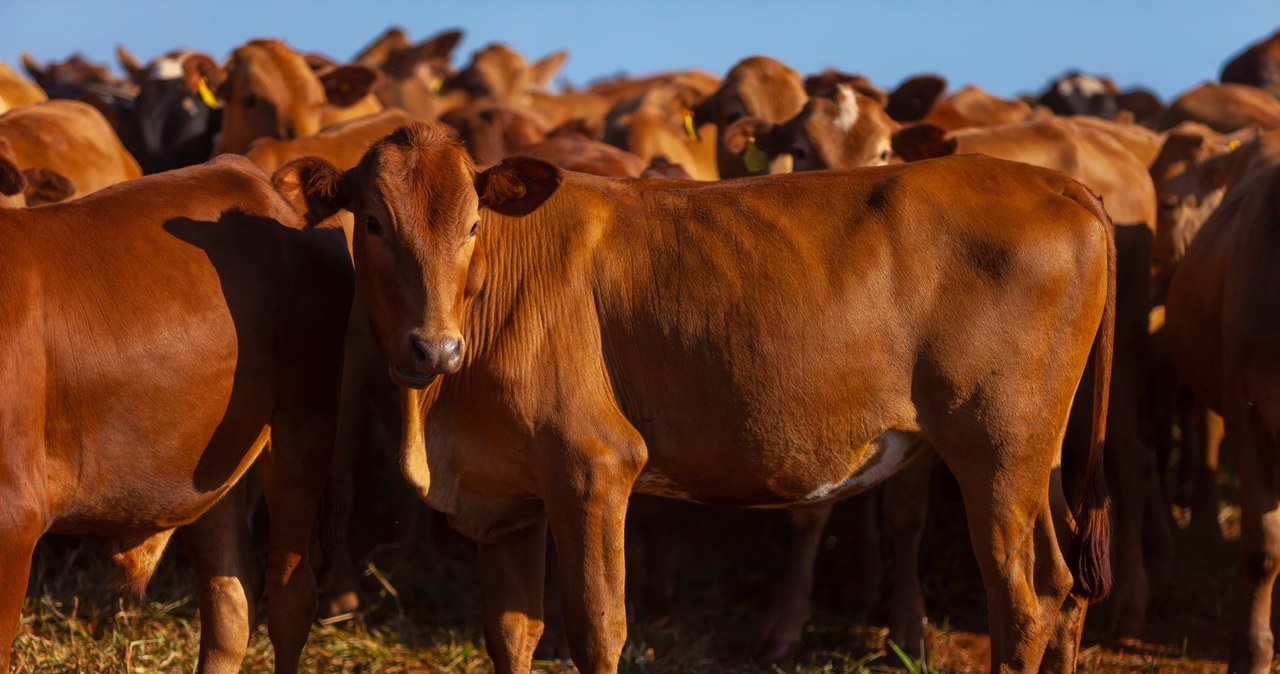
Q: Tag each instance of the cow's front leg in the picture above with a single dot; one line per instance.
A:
(587, 515)
(512, 568)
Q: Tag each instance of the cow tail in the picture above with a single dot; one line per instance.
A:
(1090, 556)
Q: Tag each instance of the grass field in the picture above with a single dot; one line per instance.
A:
(422, 609)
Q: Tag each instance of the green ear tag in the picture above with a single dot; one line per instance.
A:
(755, 158)
(689, 129)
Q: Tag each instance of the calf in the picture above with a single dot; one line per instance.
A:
(1222, 107)
(159, 338)
(581, 337)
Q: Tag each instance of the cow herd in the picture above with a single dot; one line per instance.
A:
(758, 290)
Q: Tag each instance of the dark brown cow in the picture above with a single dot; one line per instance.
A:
(1224, 336)
(1257, 66)
(575, 372)
(159, 338)
(67, 149)
(1223, 108)
(269, 90)
(920, 99)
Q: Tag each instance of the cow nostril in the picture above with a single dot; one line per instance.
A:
(418, 347)
(451, 352)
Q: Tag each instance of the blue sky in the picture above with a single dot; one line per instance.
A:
(1005, 47)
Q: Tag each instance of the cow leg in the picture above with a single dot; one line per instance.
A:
(867, 565)
(1207, 438)
(906, 510)
(294, 471)
(1012, 532)
(1064, 644)
(587, 512)
(220, 548)
(1255, 451)
(1130, 464)
(341, 591)
(792, 599)
(19, 535)
(512, 569)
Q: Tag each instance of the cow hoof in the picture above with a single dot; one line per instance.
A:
(340, 604)
(773, 650)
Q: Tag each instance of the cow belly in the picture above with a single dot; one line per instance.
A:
(780, 479)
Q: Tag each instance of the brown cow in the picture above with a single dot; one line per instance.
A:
(1257, 66)
(575, 373)
(1095, 158)
(1222, 107)
(343, 143)
(654, 122)
(269, 90)
(492, 129)
(159, 338)
(757, 86)
(16, 91)
(499, 72)
(920, 99)
(848, 131)
(1223, 335)
(67, 149)
(414, 74)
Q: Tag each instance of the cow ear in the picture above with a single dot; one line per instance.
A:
(131, 64)
(438, 46)
(543, 71)
(12, 182)
(345, 86)
(911, 101)
(706, 111)
(517, 185)
(47, 186)
(34, 69)
(763, 134)
(200, 67)
(922, 141)
(314, 187)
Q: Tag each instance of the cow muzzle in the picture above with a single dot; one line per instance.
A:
(427, 357)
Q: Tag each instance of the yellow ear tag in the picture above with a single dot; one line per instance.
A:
(437, 83)
(689, 129)
(206, 94)
(755, 158)
(1235, 143)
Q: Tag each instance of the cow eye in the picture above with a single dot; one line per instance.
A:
(732, 117)
(249, 101)
(474, 226)
(798, 153)
(1169, 203)
(884, 155)
(372, 226)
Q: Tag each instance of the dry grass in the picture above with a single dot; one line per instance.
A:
(422, 615)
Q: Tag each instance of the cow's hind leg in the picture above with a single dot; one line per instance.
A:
(1256, 451)
(221, 551)
(792, 600)
(906, 510)
(512, 571)
(1006, 499)
(1064, 643)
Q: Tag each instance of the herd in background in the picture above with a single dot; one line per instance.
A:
(1192, 188)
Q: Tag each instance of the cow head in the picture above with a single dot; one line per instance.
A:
(270, 90)
(1076, 93)
(499, 72)
(913, 99)
(1190, 176)
(922, 141)
(492, 130)
(757, 86)
(416, 197)
(175, 113)
(846, 131)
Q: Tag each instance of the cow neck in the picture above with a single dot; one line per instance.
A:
(538, 275)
